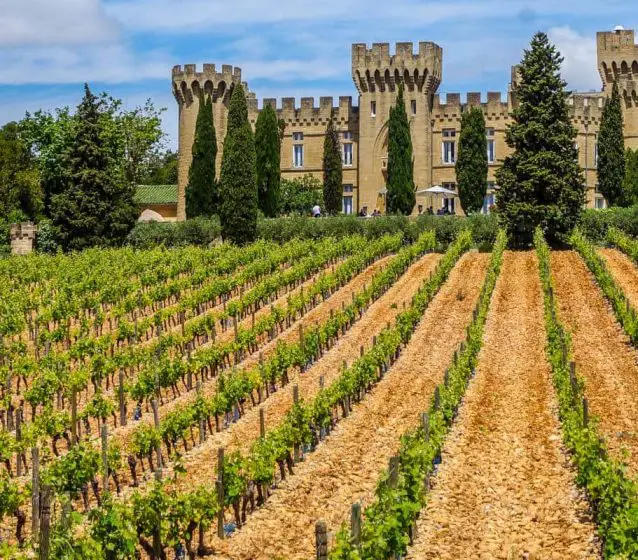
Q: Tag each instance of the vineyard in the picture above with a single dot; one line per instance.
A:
(333, 399)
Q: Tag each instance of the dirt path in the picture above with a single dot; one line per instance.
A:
(505, 489)
(346, 468)
(602, 353)
(239, 436)
(623, 271)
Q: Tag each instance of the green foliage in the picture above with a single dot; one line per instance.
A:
(613, 495)
(112, 526)
(385, 533)
(196, 231)
(238, 186)
(471, 165)
(630, 183)
(20, 189)
(541, 181)
(200, 191)
(298, 196)
(332, 170)
(268, 152)
(400, 198)
(611, 151)
(74, 469)
(161, 169)
(93, 207)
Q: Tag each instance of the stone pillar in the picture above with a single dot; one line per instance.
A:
(22, 238)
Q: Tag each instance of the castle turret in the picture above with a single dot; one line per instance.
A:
(618, 60)
(188, 84)
(377, 75)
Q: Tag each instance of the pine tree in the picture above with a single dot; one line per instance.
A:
(401, 198)
(332, 170)
(611, 151)
(471, 165)
(630, 184)
(238, 185)
(201, 189)
(95, 206)
(268, 150)
(541, 181)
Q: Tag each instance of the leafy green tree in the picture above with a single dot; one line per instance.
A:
(541, 181)
(611, 151)
(20, 189)
(200, 191)
(268, 151)
(471, 165)
(161, 169)
(630, 184)
(94, 205)
(332, 170)
(401, 198)
(298, 196)
(238, 185)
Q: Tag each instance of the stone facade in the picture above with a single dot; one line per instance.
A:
(22, 238)
(435, 124)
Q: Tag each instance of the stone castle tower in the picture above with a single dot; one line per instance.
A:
(435, 125)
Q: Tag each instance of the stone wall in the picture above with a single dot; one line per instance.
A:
(22, 238)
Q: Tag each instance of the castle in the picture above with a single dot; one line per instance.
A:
(435, 124)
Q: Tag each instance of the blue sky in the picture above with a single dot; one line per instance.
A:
(48, 48)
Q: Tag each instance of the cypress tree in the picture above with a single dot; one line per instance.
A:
(401, 198)
(630, 184)
(201, 188)
(471, 165)
(238, 185)
(268, 150)
(611, 151)
(95, 206)
(332, 170)
(541, 181)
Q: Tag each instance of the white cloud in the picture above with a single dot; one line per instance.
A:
(113, 63)
(54, 22)
(580, 65)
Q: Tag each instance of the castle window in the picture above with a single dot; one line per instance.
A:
(491, 146)
(347, 135)
(347, 154)
(599, 203)
(413, 106)
(373, 108)
(347, 199)
(449, 146)
(297, 149)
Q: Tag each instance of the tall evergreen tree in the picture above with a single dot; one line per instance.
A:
(268, 150)
(201, 188)
(471, 165)
(238, 185)
(630, 184)
(332, 170)
(94, 206)
(401, 198)
(611, 151)
(541, 181)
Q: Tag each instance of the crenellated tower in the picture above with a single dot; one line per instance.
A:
(188, 84)
(377, 75)
(618, 60)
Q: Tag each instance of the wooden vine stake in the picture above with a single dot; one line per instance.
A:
(45, 527)
(262, 424)
(393, 472)
(74, 417)
(35, 492)
(573, 379)
(321, 540)
(585, 412)
(295, 400)
(156, 422)
(19, 439)
(122, 398)
(425, 424)
(355, 524)
(105, 458)
(219, 484)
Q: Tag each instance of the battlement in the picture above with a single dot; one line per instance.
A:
(493, 105)
(376, 69)
(308, 111)
(586, 107)
(618, 58)
(188, 81)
